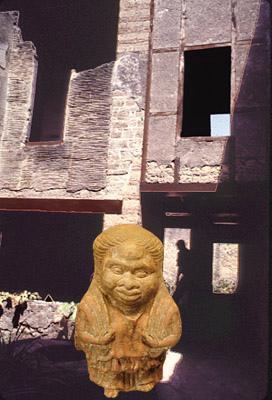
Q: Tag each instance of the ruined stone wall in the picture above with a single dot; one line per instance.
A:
(75, 167)
(110, 107)
(36, 319)
(100, 155)
(180, 26)
(128, 109)
(6, 35)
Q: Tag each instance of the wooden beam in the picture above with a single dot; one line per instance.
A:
(178, 188)
(62, 205)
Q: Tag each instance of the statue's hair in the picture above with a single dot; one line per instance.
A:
(119, 234)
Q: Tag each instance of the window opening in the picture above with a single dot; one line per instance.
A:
(206, 90)
(220, 125)
(225, 267)
(68, 34)
(177, 243)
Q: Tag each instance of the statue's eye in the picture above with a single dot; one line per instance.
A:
(141, 273)
(117, 270)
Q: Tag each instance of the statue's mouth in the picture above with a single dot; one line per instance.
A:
(129, 295)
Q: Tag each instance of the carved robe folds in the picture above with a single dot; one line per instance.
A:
(127, 320)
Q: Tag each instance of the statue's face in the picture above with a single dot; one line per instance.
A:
(129, 275)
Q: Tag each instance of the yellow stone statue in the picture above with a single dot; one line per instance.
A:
(127, 319)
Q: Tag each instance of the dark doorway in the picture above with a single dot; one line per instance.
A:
(48, 252)
(68, 34)
(206, 89)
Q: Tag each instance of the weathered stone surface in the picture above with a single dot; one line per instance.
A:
(246, 13)
(251, 146)
(205, 174)
(161, 139)
(255, 78)
(127, 319)
(129, 75)
(88, 119)
(241, 53)
(207, 22)
(164, 82)
(159, 173)
(200, 153)
(167, 18)
(225, 267)
(75, 164)
(38, 319)
(6, 23)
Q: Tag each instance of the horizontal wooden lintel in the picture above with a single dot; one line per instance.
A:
(178, 188)
(62, 205)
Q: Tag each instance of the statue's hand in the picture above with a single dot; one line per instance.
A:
(107, 337)
(149, 340)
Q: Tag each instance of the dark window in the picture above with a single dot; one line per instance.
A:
(206, 89)
(68, 34)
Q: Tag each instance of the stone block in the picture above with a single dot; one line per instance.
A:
(161, 139)
(164, 82)
(159, 173)
(207, 22)
(194, 153)
(167, 17)
(251, 144)
(246, 13)
(255, 88)
(204, 174)
(241, 52)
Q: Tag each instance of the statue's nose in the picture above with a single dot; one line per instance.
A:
(129, 281)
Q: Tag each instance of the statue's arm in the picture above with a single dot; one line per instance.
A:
(83, 321)
(172, 336)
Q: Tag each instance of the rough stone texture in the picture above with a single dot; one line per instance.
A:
(205, 174)
(22, 69)
(161, 139)
(126, 138)
(167, 18)
(250, 124)
(100, 156)
(225, 263)
(80, 162)
(240, 53)
(246, 13)
(256, 78)
(251, 159)
(201, 160)
(170, 267)
(88, 120)
(6, 23)
(164, 82)
(39, 319)
(200, 152)
(207, 22)
(244, 16)
(159, 173)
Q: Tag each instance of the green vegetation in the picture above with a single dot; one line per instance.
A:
(226, 286)
(69, 310)
(15, 299)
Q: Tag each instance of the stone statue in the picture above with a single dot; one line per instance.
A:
(127, 319)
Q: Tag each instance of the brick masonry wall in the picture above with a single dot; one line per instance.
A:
(128, 110)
